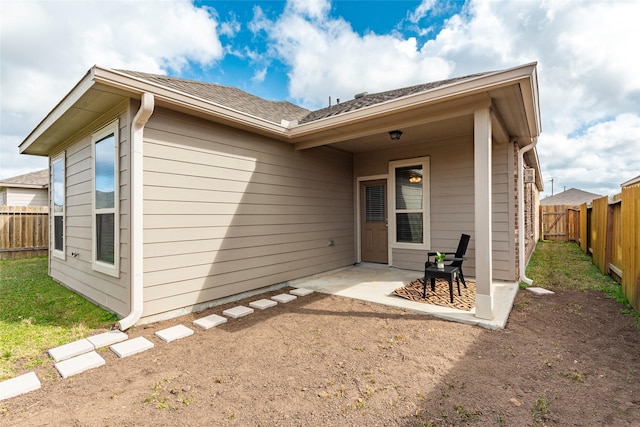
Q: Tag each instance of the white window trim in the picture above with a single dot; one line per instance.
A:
(426, 197)
(103, 267)
(56, 252)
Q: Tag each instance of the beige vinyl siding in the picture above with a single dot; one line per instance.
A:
(76, 272)
(452, 200)
(226, 212)
(26, 197)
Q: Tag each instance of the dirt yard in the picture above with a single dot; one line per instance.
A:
(568, 359)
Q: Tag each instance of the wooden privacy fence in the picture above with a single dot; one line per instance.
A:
(559, 223)
(24, 231)
(609, 230)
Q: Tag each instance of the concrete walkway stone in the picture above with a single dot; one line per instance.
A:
(301, 292)
(210, 321)
(79, 364)
(107, 338)
(284, 298)
(540, 291)
(174, 333)
(19, 385)
(70, 350)
(262, 304)
(238, 311)
(131, 347)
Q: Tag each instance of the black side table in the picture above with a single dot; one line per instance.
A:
(431, 271)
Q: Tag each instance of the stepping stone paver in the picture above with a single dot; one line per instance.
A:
(107, 338)
(301, 292)
(238, 311)
(210, 321)
(79, 364)
(262, 304)
(284, 298)
(19, 385)
(70, 350)
(174, 333)
(540, 291)
(131, 347)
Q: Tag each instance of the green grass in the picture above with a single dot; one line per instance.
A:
(563, 266)
(37, 314)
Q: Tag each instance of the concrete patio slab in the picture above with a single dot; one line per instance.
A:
(263, 304)
(174, 333)
(301, 292)
(540, 291)
(375, 282)
(131, 347)
(210, 321)
(107, 338)
(70, 350)
(238, 311)
(19, 385)
(79, 364)
(283, 298)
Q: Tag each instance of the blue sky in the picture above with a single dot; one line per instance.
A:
(307, 50)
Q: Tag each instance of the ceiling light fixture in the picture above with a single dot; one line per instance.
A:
(395, 134)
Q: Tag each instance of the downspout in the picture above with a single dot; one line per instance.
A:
(521, 242)
(137, 128)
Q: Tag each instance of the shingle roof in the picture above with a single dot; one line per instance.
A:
(376, 98)
(33, 179)
(230, 97)
(275, 111)
(570, 197)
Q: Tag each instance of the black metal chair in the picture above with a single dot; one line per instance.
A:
(458, 256)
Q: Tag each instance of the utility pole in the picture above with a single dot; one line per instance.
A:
(552, 185)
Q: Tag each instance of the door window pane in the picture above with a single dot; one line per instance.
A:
(374, 203)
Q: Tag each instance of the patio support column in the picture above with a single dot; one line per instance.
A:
(482, 190)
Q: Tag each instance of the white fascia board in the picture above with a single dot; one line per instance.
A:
(453, 90)
(29, 186)
(62, 107)
(176, 97)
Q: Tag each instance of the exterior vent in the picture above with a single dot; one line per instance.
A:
(360, 95)
(529, 176)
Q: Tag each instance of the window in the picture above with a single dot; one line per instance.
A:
(57, 197)
(409, 198)
(105, 200)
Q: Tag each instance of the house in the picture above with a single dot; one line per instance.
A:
(570, 197)
(31, 189)
(176, 193)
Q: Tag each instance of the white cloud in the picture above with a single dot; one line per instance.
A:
(421, 11)
(598, 160)
(48, 46)
(327, 58)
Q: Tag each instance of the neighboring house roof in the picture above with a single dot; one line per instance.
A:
(570, 197)
(232, 97)
(368, 99)
(38, 179)
(632, 181)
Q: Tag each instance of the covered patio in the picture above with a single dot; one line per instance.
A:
(375, 283)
